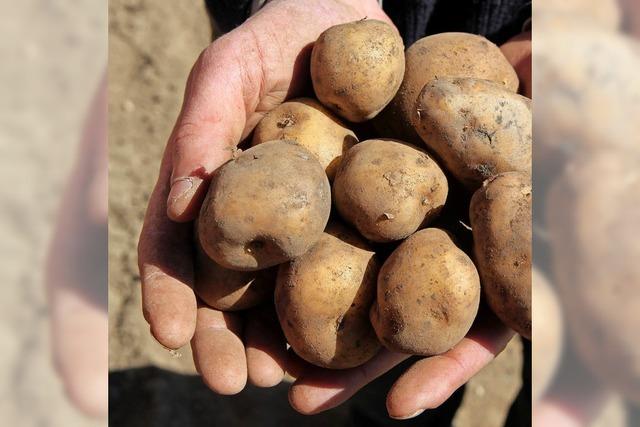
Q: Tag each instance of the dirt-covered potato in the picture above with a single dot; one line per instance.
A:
(323, 300)
(356, 68)
(548, 330)
(265, 207)
(437, 56)
(593, 216)
(500, 214)
(230, 290)
(388, 189)
(428, 295)
(476, 127)
(307, 122)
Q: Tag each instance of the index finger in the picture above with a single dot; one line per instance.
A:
(166, 269)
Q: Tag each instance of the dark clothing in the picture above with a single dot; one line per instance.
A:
(498, 20)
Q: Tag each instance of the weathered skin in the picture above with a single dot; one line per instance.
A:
(428, 295)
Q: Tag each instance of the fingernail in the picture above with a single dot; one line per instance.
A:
(179, 188)
(415, 414)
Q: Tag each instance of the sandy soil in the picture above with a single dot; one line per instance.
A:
(152, 46)
(54, 53)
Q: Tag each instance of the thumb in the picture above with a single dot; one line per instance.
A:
(211, 123)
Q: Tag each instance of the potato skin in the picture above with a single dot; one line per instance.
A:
(388, 189)
(357, 68)
(500, 214)
(230, 290)
(267, 206)
(428, 295)
(477, 128)
(307, 122)
(323, 300)
(437, 56)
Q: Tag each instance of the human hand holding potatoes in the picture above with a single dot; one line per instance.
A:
(234, 82)
(348, 313)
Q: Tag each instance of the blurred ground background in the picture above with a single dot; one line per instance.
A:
(152, 46)
(54, 54)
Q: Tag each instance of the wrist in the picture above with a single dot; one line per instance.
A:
(335, 11)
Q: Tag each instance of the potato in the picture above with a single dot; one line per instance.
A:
(230, 290)
(267, 206)
(476, 127)
(307, 122)
(437, 56)
(548, 330)
(388, 189)
(357, 68)
(428, 295)
(323, 300)
(500, 214)
(593, 214)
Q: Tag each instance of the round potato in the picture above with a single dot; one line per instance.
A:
(267, 206)
(548, 330)
(230, 290)
(311, 125)
(428, 295)
(357, 68)
(437, 56)
(500, 214)
(323, 300)
(388, 189)
(476, 127)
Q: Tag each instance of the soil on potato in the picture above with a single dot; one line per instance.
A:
(152, 46)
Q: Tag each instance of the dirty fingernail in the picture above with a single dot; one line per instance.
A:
(415, 414)
(179, 188)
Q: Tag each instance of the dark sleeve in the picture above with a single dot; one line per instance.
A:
(228, 14)
(498, 20)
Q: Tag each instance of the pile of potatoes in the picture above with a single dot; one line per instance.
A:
(368, 242)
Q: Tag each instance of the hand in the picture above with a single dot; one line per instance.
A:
(427, 384)
(234, 82)
(517, 50)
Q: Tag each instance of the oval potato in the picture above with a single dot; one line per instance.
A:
(267, 206)
(357, 68)
(307, 122)
(476, 127)
(428, 295)
(437, 56)
(500, 214)
(230, 290)
(388, 189)
(323, 300)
